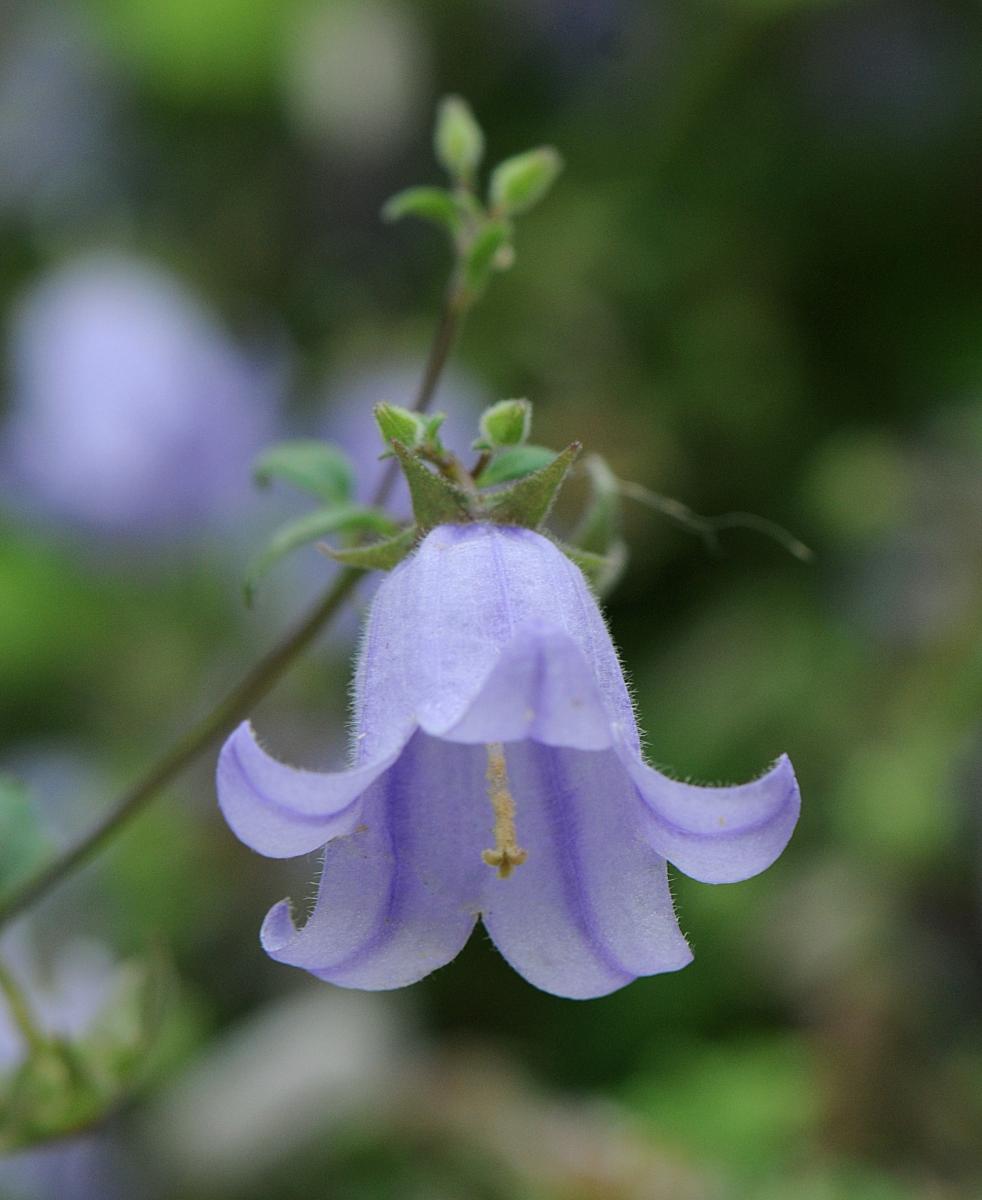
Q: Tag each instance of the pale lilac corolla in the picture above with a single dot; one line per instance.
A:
(497, 774)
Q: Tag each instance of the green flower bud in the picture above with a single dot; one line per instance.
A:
(507, 423)
(399, 425)
(458, 139)
(519, 183)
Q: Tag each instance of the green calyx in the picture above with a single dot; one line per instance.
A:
(443, 493)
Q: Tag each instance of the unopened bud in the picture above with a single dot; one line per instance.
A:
(458, 139)
(399, 425)
(507, 423)
(519, 183)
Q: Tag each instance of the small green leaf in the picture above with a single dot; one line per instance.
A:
(483, 253)
(435, 500)
(529, 501)
(507, 423)
(519, 183)
(432, 204)
(310, 528)
(457, 139)
(22, 841)
(311, 466)
(432, 425)
(379, 556)
(515, 463)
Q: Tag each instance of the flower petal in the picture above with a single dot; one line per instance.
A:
(442, 620)
(400, 896)
(719, 834)
(541, 688)
(589, 910)
(281, 811)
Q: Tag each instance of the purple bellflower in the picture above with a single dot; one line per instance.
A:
(133, 412)
(497, 773)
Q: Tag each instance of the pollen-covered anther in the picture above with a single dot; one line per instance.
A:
(507, 854)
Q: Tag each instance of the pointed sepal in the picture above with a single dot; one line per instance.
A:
(379, 556)
(529, 501)
(435, 500)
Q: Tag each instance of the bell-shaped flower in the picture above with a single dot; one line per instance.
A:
(497, 774)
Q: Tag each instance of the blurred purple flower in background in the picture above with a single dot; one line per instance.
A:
(132, 412)
(497, 772)
(66, 995)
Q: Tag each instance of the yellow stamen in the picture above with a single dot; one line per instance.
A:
(507, 854)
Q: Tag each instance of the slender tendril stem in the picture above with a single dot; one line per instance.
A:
(257, 682)
(708, 527)
(20, 1010)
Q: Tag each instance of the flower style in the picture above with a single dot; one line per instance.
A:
(497, 773)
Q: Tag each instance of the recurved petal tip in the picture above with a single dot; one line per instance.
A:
(281, 811)
(719, 834)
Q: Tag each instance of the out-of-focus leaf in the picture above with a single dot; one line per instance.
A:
(311, 527)
(480, 259)
(428, 203)
(599, 531)
(519, 183)
(457, 138)
(315, 467)
(22, 842)
(602, 570)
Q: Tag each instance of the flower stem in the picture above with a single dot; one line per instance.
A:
(20, 1011)
(237, 704)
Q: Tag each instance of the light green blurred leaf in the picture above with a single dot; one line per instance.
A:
(738, 1103)
(219, 49)
(457, 138)
(432, 204)
(312, 466)
(480, 259)
(519, 183)
(310, 528)
(22, 841)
